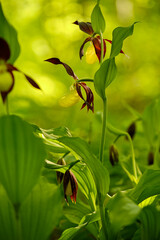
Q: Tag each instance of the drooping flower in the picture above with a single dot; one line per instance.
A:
(70, 186)
(94, 39)
(89, 101)
(6, 72)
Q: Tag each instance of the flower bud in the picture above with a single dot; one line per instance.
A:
(150, 158)
(59, 174)
(132, 129)
(113, 155)
(70, 186)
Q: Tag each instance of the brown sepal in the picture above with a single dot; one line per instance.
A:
(81, 52)
(85, 27)
(97, 46)
(68, 68)
(4, 50)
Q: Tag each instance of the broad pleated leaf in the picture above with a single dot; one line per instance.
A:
(22, 155)
(41, 211)
(71, 232)
(99, 172)
(118, 36)
(97, 20)
(149, 185)
(104, 76)
(122, 211)
(8, 33)
(7, 218)
(150, 219)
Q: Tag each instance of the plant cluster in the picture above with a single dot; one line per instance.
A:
(40, 168)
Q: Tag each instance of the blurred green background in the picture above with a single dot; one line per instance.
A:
(45, 30)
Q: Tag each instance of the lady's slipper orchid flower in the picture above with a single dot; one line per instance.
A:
(96, 41)
(6, 72)
(70, 186)
(60, 175)
(89, 101)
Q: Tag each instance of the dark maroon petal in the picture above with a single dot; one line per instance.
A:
(4, 94)
(90, 98)
(97, 46)
(111, 43)
(29, 79)
(4, 50)
(32, 82)
(78, 88)
(68, 69)
(85, 27)
(81, 52)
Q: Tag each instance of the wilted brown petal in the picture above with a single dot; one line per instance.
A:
(4, 94)
(81, 52)
(85, 27)
(4, 50)
(11, 68)
(132, 130)
(97, 46)
(68, 68)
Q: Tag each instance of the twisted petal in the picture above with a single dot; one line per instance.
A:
(85, 27)
(68, 68)
(29, 79)
(89, 102)
(81, 52)
(111, 43)
(4, 50)
(97, 46)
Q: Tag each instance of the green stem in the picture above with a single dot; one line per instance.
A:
(7, 106)
(102, 214)
(102, 48)
(121, 133)
(103, 129)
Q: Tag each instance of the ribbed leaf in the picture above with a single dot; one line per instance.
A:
(99, 172)
(22, 155)
(122, 211)
(8, 32)
(41, 211)
(71, 232)
(7, 218)
(104, 76)
(118, 36)
(150, 219)
(149, 185)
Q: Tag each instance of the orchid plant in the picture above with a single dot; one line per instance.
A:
(33, 160)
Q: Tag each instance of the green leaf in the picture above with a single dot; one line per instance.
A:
(97, 20)
(150, 219)
(22, 155)
(99, 172)
(122, 211)
(41, 211)
(148, 185)
(7, 218)
(104, 76)
(8, 32)
(71, 232)
(55, 166)
(118, 36)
